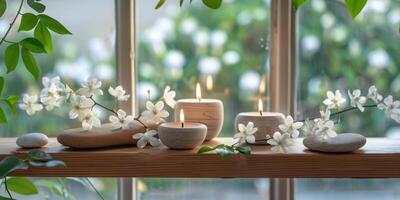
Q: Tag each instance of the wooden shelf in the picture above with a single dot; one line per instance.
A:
(380, 158)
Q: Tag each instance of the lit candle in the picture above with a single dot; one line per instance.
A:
(206, 111)
(182, 135)
(266, 122)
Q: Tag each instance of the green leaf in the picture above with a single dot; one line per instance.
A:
(10, 164)
(55, 163)
(43, 35)
(180, 3)
(3, 7)
(3, 117)
(1, 84)
(355, 6)
(298, 3)
(53, 24)
(30, 62)
(22, 186)
(12, 103)
(214, 4)
(28, 22)
(38, 7)
(244, 150)
(38, 155)
(33, 45)
(205, 149)
(11, 57)
(160, 3)
(5, 198)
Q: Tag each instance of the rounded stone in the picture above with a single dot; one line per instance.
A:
(345, 142)
(32, 140)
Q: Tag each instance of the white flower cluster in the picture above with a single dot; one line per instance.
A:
(55, 94)
(324, 126)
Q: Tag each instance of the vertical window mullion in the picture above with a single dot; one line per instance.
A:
(283, 76)
(125, 48)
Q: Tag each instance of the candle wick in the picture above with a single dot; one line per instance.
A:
(260, 112)
(182, 124)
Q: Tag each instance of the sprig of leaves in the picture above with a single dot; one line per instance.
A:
(224, 150)
(41, 42)
(213, 4)
(20, 185)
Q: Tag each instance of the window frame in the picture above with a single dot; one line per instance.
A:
(282, 73)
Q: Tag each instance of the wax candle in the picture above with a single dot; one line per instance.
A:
(266, 122)
(209, 112)
(182, 135)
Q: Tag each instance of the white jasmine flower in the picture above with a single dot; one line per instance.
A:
(392, 108)
(334, 101)
(47, 82)
(225, 151)
(325, 129)
(118, 93)
(30, 104)
(147, 137)
(155, 113)
(246, 133)
(325, 115)
(68, 92)
(91, 88)
(169, 97)
(122, 120)
(356, 100)
(309, 128)
(291, 127)
(89, 119)
(50, 97)
(80, 105)
(373, 94)
(280, 142)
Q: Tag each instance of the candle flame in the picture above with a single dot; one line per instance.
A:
(198, 91)
(263, 82)
(209, 83)
(260, 106)
(182, 118)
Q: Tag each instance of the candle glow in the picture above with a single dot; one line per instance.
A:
(198, 92)
(182, 118)
(263, 82)
(209, 83)
(260, 106)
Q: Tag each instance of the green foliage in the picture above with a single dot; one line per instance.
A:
(53, 24)
(22, 186)
(224, 150)
(30, 62)
(11, 102)
(39, 155)
(35, 5)
(10, 164)
(298, 3)
(355, 6)
(43, 35)
(11, 57)
(160, 3)
(214, 4)
(3, 7)
(28, 22)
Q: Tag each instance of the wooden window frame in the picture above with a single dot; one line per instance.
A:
(282, 73)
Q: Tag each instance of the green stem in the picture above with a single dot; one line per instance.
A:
(343, 111)
(94, 188)
(12, 23)
(8, 191)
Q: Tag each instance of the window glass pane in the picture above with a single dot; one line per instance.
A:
(338, 53)
(198, 189)
(89, 51)
(180, 46)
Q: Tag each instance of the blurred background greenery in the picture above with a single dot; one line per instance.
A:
(179, 47)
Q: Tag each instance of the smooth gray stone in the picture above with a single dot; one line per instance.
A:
(344, 142)
(32, 140)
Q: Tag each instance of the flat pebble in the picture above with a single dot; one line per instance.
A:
(32, 140)
(344, 142)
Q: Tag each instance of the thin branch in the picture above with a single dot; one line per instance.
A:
(8, 191)
(94, 188)
(343, 111)
(138, 120)
(104, 107)
(12, 23)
